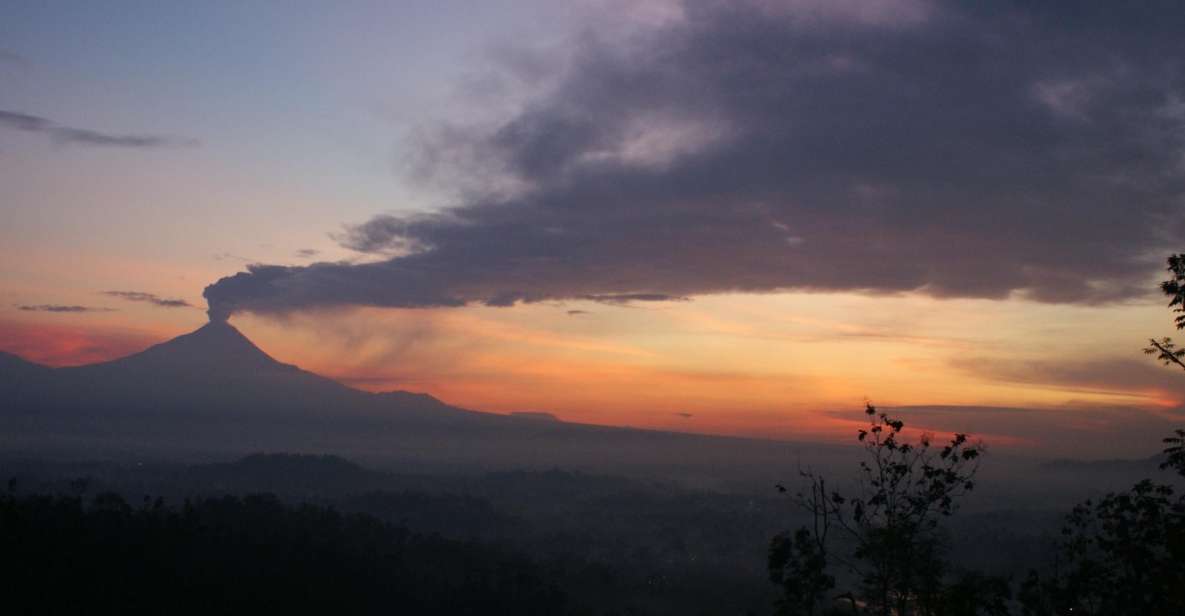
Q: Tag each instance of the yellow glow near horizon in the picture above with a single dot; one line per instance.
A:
(775, 365)
(739, 364)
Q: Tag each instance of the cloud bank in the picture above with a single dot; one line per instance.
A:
(1013, 150)
(1128, 376)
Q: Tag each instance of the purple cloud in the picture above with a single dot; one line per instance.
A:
(988, 152)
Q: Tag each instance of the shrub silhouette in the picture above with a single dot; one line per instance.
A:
(1124, 554)
(891, 526)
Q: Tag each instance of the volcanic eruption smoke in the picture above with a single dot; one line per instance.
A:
(644, 174)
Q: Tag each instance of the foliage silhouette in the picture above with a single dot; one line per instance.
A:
(1165, 349)
(1124, 554)
(890, 528)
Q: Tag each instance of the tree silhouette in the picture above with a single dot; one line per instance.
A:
(891, 527)
(798, 563)
(1164, 348)
(1125, 553)
(1168, 353)
(1122, 555)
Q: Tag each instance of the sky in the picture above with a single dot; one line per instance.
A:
(723, 217)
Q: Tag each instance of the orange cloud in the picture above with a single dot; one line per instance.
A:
(65, 345)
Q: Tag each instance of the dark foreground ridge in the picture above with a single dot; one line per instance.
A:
(248, 555)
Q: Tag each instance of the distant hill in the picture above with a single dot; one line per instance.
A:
(11, 364)
(17, 376)
(1105, 466)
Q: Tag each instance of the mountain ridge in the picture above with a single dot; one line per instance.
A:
(12, 360)
(217, 345)
(214, 392)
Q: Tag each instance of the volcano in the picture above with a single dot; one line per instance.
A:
(215, 371)
(213, 392)
(211, 389)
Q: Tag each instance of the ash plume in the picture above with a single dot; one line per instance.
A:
(744, 148)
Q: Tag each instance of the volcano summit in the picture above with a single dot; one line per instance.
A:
(213, 392)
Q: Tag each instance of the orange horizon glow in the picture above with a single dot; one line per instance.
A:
(787, 366)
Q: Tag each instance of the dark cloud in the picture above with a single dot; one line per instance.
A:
(307, 253)
(140, 296)
(620, 299)
(61, 308)
(684, 415)
(988, 151)
(575, 313)
(21, 121)
(1137, 377)
(81, 136)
